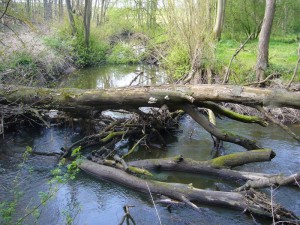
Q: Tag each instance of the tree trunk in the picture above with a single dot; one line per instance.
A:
(71, 18)
(60, 10)
(264, 37)
(87, 21)
(75, 100)
(254, 202)
(101, 20)
(219, 167)
(219, 19)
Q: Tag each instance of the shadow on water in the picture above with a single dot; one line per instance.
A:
(89, 201)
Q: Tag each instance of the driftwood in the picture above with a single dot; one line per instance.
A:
(221, 135)
(251, 201)
(219, 167)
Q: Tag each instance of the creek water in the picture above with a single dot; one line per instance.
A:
(90, 201)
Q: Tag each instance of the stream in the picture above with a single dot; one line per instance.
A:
(86, 200)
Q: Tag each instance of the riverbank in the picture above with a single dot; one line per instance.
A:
(33, 58)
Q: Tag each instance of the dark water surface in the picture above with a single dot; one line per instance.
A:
(92, 202)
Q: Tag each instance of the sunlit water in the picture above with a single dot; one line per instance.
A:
(90, 201)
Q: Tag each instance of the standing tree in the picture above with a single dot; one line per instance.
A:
(71, 17)
(219, 19)
(264, 37)
(87, 21)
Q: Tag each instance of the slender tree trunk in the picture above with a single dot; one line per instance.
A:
(28, 8)
(60, 10)
(45, 10)
(264, 37)
(71, 18)
(219, 19)
(101, 20)
(87, 21)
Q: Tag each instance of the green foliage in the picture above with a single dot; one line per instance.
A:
(8, 208)
(177, 61)
(74, 46)
(120, 20)
(22, 58)
(282, 59)
(123, 53)
(60, 176)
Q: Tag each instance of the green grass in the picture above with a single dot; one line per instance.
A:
(282, 59)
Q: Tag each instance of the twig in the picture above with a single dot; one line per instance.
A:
(127, 215)
(295, 71)
(188, 202)
(272, 208)
(136, 77)
(263, 81)
(122, 161)
(154, 204)
(226, 77)
(5, 10)
(134, 147)
(277, 122)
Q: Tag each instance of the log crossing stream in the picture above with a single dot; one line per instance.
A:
(89, 201)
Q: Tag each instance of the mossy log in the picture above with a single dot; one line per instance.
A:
(189, 165)
(84, 102)
(212, 129)
(233, 115)
(246, 200)
(77, 100)
(219, 167)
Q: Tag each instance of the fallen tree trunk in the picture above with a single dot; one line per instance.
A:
(221, 135)
(250, 201)
(190, 165)
(85, 102)
(219, 167)
(173, 95)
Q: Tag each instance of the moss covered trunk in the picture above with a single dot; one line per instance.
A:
(75, 100)
(236, 200)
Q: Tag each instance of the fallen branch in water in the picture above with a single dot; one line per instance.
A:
(254, 202)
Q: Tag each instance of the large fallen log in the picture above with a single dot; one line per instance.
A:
(251, 201)
(84, 102)
(219, 167)
(172, 95)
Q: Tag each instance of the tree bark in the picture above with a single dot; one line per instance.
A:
(264, 37)
(219, 19)
(219, 167)
(179, 163)
(71, 18)
(221, 135)
(87, 21)
(186, 193)
(77, 100)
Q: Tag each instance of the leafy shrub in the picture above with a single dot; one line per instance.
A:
(177, 61)
(74, 46)
(123, 53)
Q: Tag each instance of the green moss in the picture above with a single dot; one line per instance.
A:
(112, 135)
(140, 171)
(220, 162)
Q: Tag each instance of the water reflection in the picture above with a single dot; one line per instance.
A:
(91, 201)
(115, 76)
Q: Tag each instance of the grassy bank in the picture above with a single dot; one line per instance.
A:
(35, 57)
(282, 59)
